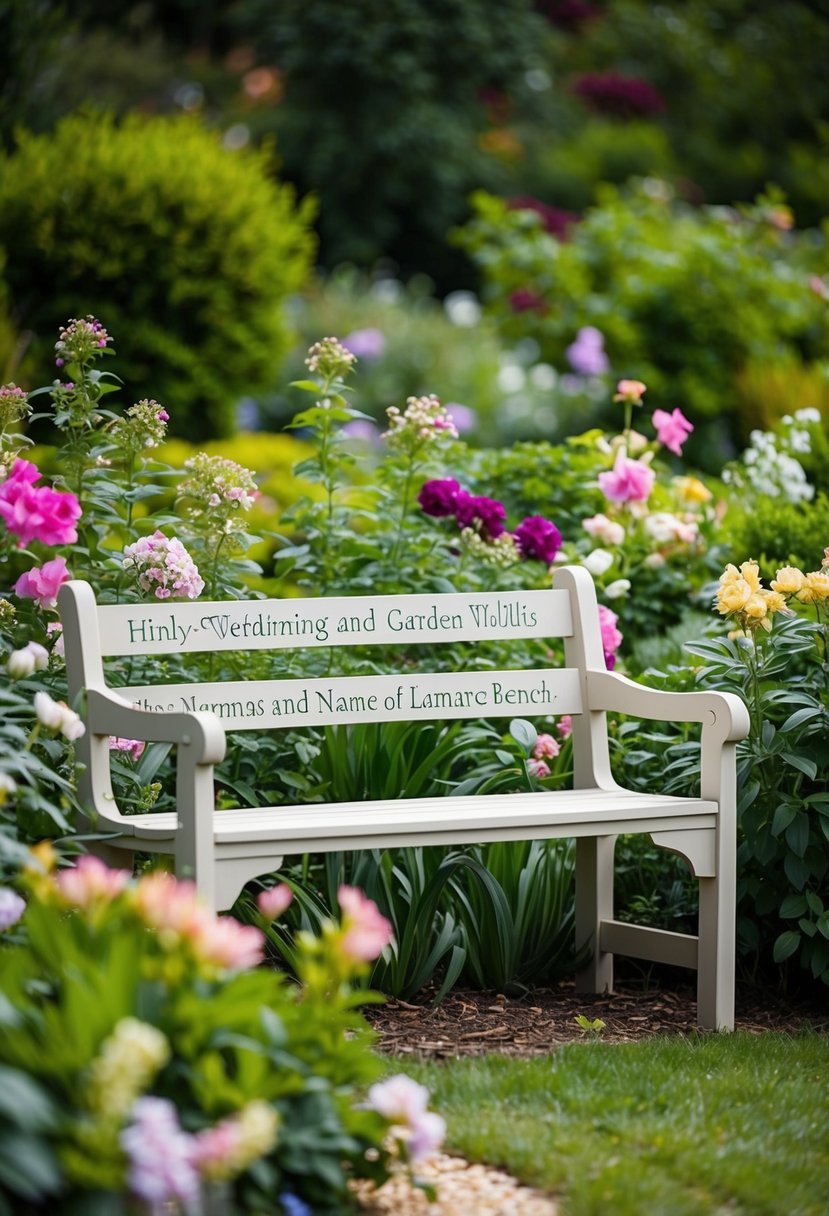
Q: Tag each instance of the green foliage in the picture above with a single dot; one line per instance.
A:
(777, 533)
(107, 999)
(381, 110)
(679, 1125)
(683, 297)
(190, 250)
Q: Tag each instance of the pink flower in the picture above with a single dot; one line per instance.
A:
(538, 768)
(564, 726)
(223, 942)
(173, 906)
(41, 583)
(366, 932)
(403, 1102)
(611, 637)
(672, 429)
(538, 537)
(630, 390)
(605, 530)
(89, 881)
(546, 747)
(37, 513)
(628, 480)
(273, 902)
(134, 746)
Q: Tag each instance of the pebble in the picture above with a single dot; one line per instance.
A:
(462, 1188)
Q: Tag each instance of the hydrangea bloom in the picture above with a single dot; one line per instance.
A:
(672, 429)
(587, 355)
(12, 908)
(164, 567)
(628, 480)
(538, 537)
(37, 512)
(127, 1062)
(42, 583)
(160, 1154)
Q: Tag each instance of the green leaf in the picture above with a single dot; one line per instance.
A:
(524, 733)
(783, 816)
(802, 763)
(786, 944)
(800, 716)
(793, 905)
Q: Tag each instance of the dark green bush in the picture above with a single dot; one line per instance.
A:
(187, 249)
(775, 533)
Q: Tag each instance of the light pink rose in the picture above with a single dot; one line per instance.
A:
(90, 881)
(538, 768)
(605, 530)
(546, 747)
(628, 480)
(672, 429)
(42, 583)
(366, 930)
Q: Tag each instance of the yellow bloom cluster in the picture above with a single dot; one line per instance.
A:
(128, 1061)
(742, 595)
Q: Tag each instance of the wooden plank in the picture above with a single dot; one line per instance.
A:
(655, 945)
(261, 704)
(181, 628)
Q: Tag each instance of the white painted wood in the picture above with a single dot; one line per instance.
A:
(182, 628)
(264, 704)
(221, 850)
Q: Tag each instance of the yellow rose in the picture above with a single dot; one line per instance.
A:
(815, 587)
(733, 596)
(691, 489)
(788, 581)
(751, 573)
(730, 574)
(775, 602)
(755, 607)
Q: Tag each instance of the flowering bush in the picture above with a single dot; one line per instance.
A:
(152, 1062)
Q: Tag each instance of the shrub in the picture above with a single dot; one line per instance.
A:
(189, 250)
(683, 298)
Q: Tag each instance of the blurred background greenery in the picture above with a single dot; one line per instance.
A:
(466, 187)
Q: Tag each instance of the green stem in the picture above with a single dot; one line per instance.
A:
(404, 510)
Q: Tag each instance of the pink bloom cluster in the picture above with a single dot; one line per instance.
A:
(135, 747)
(174, 909)
(366, 932)
(611, 637)
(672, 429)
(37, 512)
(403, 1102)
(159, 1154)
(628, 480)
(79, 339)
(546, 748)
(164, 567)
(89, 882)
(42, 583)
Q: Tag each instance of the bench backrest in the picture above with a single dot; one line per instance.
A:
(568, 611)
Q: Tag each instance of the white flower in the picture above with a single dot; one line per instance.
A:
(598, 561)
(21, 664)
(617, 589)
(608, 531)
(55, 715)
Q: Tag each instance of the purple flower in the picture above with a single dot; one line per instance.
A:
(526, 300)
(587, 354)
(490, 513)
(160, 1155)
(438, 497)
(463, 417)
(367, 344)
(538, 537)
(292, 1206)
(12, 907)
(624, 96)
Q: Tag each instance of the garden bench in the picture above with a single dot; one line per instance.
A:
(223, 849)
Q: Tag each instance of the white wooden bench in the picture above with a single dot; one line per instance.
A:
(224, 849)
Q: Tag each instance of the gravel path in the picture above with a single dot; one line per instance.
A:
(463, 1189)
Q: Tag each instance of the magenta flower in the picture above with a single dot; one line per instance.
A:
(628, 480)
(556, 221)
(672, 429)
(526, 300)
(366, 932)
(439, 497)
(42, 583)
(135, 747)
(488, 512)
(611, 637)
(538, 537)
(623, 96)
(37, 512)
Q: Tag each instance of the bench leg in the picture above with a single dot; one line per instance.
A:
(594, 903)
(716, 958)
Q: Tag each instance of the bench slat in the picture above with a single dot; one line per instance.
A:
(179, 628)
(341, 700)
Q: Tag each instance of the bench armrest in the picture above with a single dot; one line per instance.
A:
(607, 690)
(109, 714)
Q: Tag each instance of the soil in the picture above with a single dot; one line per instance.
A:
(475, 1023)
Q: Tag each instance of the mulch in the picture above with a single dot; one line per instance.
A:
(471, 1023)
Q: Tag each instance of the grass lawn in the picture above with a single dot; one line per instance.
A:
(735, 1124)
